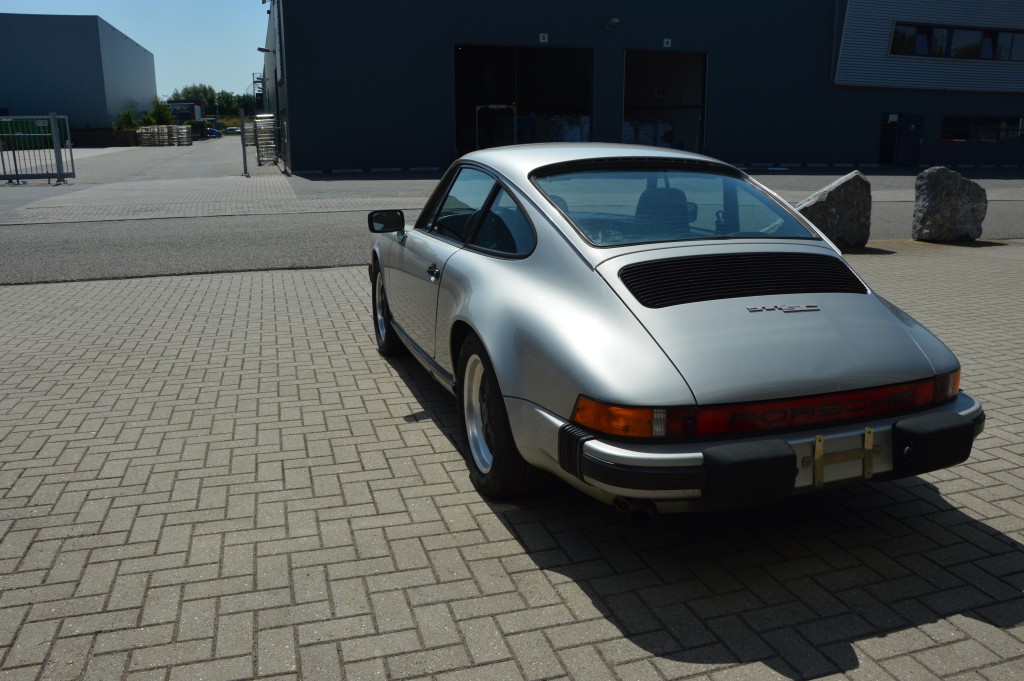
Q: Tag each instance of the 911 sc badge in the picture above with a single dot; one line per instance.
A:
(783, 308)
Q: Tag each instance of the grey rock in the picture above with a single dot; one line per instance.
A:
(842, 210)
(947, 206)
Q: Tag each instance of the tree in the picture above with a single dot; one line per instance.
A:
(201, 94)
(214, 103)
(126, 121)
(227, 102)
(247, 102)
(162, 113)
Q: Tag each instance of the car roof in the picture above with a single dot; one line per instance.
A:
(520, 160)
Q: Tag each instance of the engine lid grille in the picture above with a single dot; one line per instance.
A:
(692, 279)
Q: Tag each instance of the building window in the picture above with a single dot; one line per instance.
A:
(1017, 53)
(956, 42)
(976, 129)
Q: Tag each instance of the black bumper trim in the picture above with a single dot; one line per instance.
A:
(763, 471)
(979, 424)
(749, 473)
(731, 475)
(570, 448)
(921, 444)
(644, 477)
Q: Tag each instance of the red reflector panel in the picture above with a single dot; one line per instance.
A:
(803, 412)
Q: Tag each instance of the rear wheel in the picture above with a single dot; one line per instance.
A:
(383, 330)
(495, 466)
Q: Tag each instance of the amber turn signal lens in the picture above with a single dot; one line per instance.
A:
(613, 419)
(947, 386)
(620, 421)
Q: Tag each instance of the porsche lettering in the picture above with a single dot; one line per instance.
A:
(783, 308)
(838, 410)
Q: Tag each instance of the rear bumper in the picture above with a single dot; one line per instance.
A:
(724, 474)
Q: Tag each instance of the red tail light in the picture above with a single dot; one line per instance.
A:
(804, 412)
(753, 417)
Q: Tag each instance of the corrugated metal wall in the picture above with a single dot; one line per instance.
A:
(56, 63)
(357, 97)
(864, 53)
(129, 74)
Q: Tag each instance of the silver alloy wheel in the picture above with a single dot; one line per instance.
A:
(475, 400)
(381, 306)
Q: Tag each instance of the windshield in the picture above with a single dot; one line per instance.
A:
(636, 205)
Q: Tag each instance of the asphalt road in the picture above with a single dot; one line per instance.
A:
(166, 211)
(169, 246)
(135, 212)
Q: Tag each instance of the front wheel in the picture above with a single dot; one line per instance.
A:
(383, 330)
(495, 466)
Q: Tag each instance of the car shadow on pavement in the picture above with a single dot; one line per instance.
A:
(825, 583)
(814, 586)
(431, 401)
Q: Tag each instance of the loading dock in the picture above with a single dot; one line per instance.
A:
(508, 95)
(664, 99)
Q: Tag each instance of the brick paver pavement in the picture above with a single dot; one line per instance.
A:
(218, 477)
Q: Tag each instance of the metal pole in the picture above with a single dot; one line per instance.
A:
(245, 160)
(55, 135)
(15, 148)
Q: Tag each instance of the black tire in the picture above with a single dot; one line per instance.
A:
(383, 331)
(496, 468)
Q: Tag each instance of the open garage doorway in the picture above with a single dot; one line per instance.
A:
(509, 95)
(664, 99)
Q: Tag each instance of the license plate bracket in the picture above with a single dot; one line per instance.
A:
(866, 454)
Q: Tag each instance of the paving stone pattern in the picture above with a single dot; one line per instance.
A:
(217, 477)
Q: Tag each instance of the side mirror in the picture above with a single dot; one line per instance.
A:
(691, 211)
(383, 221)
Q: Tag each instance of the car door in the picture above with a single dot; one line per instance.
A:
(420, 258)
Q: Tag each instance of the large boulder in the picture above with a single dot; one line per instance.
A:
(947, 206)
(842, 210)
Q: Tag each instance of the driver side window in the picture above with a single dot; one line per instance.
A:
(458, 211)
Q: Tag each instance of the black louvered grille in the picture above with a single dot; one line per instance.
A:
(570, 448)
(692, 279)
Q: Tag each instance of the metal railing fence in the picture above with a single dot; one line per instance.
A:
(35, 148)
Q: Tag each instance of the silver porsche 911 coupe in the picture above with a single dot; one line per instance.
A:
(659, 330)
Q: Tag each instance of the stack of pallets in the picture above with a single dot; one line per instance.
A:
(165, 135)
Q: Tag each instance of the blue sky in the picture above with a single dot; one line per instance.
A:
(191, 41)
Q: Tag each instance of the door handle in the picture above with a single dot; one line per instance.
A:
(433, 272)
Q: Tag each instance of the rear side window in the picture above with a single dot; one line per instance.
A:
(456, 214)
(504, 228)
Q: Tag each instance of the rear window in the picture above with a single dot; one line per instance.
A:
(613, 206)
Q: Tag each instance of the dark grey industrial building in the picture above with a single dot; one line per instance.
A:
(408, 84)
(78, 66)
